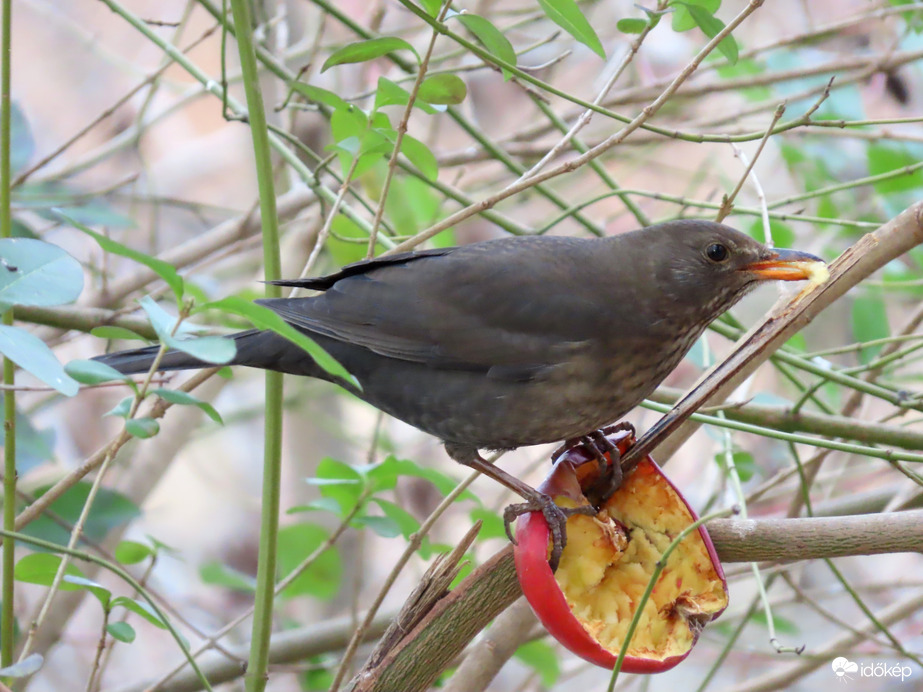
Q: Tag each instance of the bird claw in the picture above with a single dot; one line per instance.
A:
(555, 517)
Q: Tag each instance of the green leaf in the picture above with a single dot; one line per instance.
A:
(262, 317)
(348, 122)
(869, 320)
(541, 657)
(110, 510)
(319, 95)
(683, 20)
(325, 575)
(132, 552)
(711, 26)
(420, 156)
(28, 666)
(141, 608)
(567, 15)
(443, 89)
(432, 7)
(40, 568)
(405, 522)
(33, 272)
(321, 504)
(368, 50)
(212, 349)
(121, 409)
(338, 481)
(32, 355)
(22, 143)
(382, 526)
(492, 38)
(221, 575)
(142, 427)
(175, 396)
(631, 26)
(163, 269)
(444, 483)
(390, 94)
(743, 462)
(121, 631)
(101, 593)
(93, 372)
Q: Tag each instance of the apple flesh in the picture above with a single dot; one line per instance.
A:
(589, 603)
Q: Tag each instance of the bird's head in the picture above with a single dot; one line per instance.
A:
(705, 267)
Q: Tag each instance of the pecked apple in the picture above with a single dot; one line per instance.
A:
(589, 602)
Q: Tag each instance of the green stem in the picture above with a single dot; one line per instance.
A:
(12, 536)
(9, 399)
(258, 664)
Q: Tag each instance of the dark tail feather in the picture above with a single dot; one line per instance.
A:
(255, 349)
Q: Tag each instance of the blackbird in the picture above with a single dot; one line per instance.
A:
(515, 341)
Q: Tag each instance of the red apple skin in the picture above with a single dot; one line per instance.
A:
(547, 600)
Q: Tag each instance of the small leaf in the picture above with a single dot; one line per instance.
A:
(93, 372)
(142, 427)
(492, 38)
(163, 269)
(390, 94)
(321, 504)
(338, 481)
(324, 577)
(221, 575)
(121, 631)
(32, 355)
(121, 409)
(263, 318)
(405, 522)
(40, 568)
(631, 26)
(711, 26)
(141, 608)
(212, 349)
(346, 123)
(567, 15)
(319, 95)
(33, 272)
(420, 156)
(132, 552)
(28, 666)
(382, 526)
(443, 89)
(368, 50)
(682, 20)
(175, 396)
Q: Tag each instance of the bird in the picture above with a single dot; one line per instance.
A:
(513, 341)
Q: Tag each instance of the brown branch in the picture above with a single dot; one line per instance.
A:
(446, 630)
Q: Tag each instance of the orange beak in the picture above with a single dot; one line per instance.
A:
(787, 265)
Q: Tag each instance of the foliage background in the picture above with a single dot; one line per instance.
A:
(162, 170)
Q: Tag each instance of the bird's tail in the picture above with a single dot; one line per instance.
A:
(255, 348)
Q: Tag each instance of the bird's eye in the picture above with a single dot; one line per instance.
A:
(717, 252)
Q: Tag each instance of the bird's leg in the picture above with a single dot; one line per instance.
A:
(535, 501)
(610, 478)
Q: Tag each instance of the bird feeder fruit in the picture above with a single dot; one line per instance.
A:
(589, 603)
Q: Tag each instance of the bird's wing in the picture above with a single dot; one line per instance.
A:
(466, 308)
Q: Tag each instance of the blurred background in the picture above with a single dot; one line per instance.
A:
(127, 141)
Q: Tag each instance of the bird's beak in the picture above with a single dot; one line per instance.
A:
(788, 265)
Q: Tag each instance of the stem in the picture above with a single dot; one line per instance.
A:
(258, 664)
(9, 396)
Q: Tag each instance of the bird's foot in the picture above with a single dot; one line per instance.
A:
(555, 516)
(610, 477)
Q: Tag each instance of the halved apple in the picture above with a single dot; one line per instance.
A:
(588, 604)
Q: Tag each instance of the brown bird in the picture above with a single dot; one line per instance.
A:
(516, 341)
